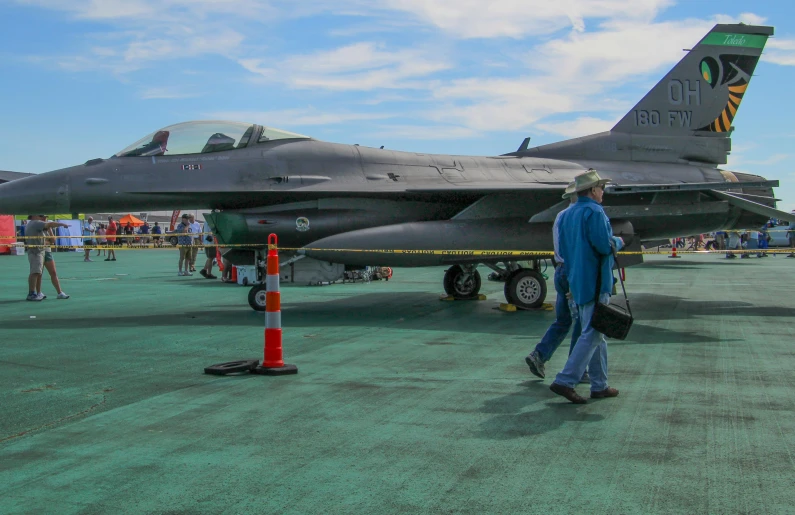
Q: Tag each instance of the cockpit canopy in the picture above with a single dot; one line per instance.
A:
(204, 138)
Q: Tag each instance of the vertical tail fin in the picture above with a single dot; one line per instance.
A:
(703, 91)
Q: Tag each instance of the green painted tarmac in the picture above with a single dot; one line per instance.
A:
(402, 404)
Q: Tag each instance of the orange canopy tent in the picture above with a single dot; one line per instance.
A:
(135, 222)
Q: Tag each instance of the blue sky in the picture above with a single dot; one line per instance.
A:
(83, 79)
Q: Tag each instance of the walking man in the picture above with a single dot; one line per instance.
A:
(89, 231)
(37, 230)
(586, 245)
(563, 320)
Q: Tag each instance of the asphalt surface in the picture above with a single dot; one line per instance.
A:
(402, 404)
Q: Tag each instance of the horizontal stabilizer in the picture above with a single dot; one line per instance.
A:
(693, 186)
(754, 207)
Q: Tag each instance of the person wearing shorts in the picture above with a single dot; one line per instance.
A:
(185, 243)
(210, 252)
(40, 257)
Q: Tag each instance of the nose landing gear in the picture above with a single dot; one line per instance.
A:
(462, 281)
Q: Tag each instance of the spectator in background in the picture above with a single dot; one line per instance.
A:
(185, 244)
(38, 230)
(156, 232)
(195, 229)
(209, 252)
(764, 241)
(720, 240)
(111, 237)
(89, 233)
(102, 241)
(129, 232)
(144, 232)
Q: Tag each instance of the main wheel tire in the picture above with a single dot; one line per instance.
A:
(461, 285)
(173, 240)
(257, 297)
(526, 289)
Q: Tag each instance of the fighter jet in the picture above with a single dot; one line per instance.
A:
(333, 205)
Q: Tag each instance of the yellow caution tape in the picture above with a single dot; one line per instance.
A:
(450, 253)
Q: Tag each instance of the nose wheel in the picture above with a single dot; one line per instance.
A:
(526, 289)
(462, 282)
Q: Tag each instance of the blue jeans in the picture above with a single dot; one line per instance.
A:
(589, 351)
(560, 327)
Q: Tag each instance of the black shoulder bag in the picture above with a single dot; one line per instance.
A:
(611, 320)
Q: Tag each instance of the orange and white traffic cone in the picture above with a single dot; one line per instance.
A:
(273, 363)
(673, 253)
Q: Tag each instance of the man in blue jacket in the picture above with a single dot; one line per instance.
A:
(586, 245)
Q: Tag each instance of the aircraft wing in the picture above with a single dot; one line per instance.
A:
(754, 207)
(618, 189)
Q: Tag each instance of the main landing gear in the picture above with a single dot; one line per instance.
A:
(525, 288)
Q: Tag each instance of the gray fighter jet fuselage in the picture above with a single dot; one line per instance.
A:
(364, 206)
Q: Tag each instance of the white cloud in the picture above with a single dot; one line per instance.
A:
(780, 51)
(521, 18)
(359, 67)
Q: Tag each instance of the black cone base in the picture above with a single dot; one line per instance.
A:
(232, 367)
(275, 371)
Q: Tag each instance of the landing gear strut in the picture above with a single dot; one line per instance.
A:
(462, 281)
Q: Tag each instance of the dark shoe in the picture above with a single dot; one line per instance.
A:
(536, 364)
(107, 259)
(607, 392)
(203, 273)
(569, 393)
(211, 276)
(114, 259)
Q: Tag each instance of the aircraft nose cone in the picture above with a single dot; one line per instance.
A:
(39, 194)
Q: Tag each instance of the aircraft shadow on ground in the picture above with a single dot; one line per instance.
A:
(423, 311)
(693, 265)
(652, 306)
(513, 420)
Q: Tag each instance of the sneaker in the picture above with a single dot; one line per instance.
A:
(62, 296)
(203, 273)
(41, 295)
(88, 260)
(536, 364)
(34, 297)
(211, 276)
(188, 273)
(114, 259)
(181, 273)
(107, 259)
(586, 379)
